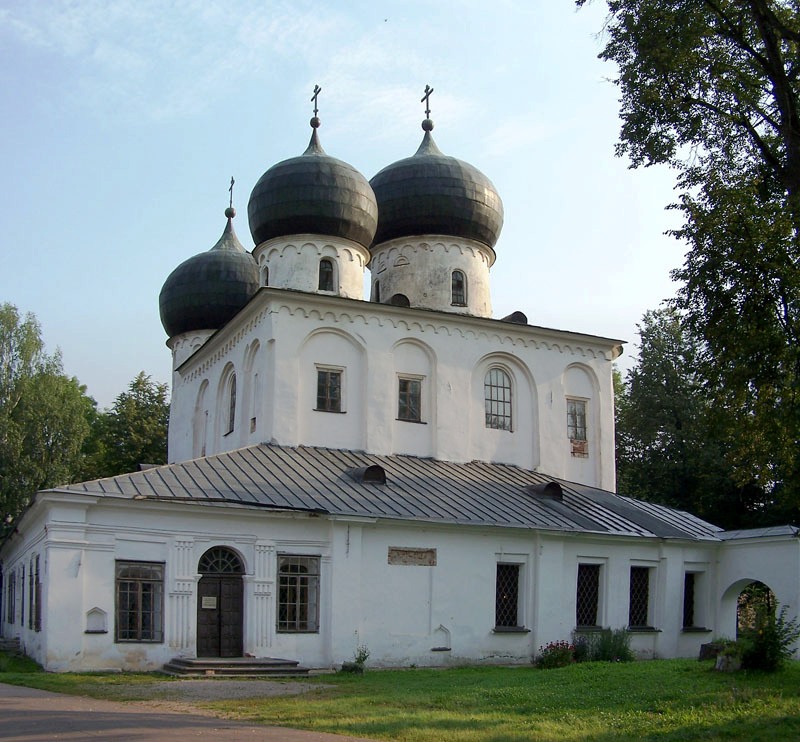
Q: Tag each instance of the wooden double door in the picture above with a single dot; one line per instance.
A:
(220, 615)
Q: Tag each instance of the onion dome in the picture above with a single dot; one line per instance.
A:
(313, 194)
(431, 193)
(209, 289)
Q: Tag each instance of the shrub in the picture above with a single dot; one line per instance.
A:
(770, 642)
(555, 654)
(605, 646)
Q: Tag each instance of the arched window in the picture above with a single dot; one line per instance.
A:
(497, 399)
(459, 289)
(265, 276)
(326, 274)
(376, 292)
(231, 404)
(220, 561)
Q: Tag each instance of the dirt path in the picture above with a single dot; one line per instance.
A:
(29, 715)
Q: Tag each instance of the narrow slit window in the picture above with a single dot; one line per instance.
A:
(459, 289)
(325, 275)
(231, 405)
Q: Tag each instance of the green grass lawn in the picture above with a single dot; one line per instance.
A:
(657, 700)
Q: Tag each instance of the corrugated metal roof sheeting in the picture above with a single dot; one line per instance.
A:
(477, 493)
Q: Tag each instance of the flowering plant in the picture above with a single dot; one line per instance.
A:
(555, 654)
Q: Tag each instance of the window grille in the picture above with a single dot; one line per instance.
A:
(688, 599)
(329, 390)
(588, 594)
(506, 612)
(409, 400)
(220, 561)
(298, 593)
(639, 597)
(140, 602)
(459, 289)
(497, 398)
(325, 275)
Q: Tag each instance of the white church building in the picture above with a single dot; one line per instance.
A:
(403, 472)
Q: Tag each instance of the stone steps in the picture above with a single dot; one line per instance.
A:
(10, 646)
(234, 667)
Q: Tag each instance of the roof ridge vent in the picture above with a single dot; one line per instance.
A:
(550, 490)
(372, 474)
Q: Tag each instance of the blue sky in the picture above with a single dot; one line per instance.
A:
(124, 120)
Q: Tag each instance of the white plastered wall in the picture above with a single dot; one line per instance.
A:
(295, 333)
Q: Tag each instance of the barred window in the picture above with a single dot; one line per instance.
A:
(329, 390)
(140, 602)
(588, 595)
(506, 611)
(688, 599)
(638, 611)
(497, 399)
(298, 593)
(325, 275)
(409, 400)
(459, 289)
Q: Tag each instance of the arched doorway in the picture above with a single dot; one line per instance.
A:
(220, 604)
(755, 605)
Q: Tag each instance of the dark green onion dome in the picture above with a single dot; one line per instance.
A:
(313, 194)
(431, 193)
(209, 289)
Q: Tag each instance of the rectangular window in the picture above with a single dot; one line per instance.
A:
(506, 611)
(688, 600)
(576, 427)
(140, 602)
(31, 595)
(37, 585)
(588, 595)
(22, 597)
(329, 390)
(298, 593)
(409, 400)
(638, 610)
(11, 609)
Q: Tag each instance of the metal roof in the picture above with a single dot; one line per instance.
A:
(416, 489)
(745, 533)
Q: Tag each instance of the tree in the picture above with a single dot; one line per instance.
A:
(672, 440)
(43, 415)
(134, 430)
(710, 87)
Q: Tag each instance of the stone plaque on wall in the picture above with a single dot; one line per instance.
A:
(412, 557)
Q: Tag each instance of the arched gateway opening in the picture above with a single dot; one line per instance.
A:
(220, 604)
